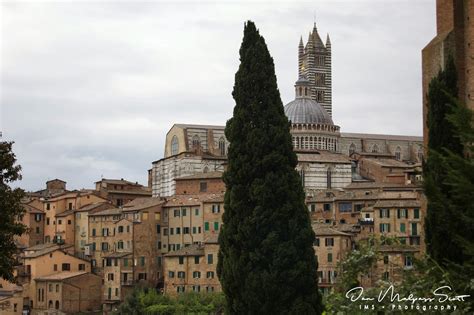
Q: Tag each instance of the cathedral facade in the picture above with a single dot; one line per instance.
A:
(324, 153)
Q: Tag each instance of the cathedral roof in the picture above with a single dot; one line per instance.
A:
(306, 111)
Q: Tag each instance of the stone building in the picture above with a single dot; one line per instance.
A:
(120, 191)
(324, 152)
(67, 293)
(314, 63)
(33, 218)
(454, 35)
(330, 246)
(192, 268)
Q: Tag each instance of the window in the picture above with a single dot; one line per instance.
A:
(384, 227)
(196, 211)
(56, 305)
(66, 267)
(142, 261)
(385, 260)
(222, 146)
(352, 148)
(181, 260)
(110, 277)
(398, 154)
(203, 186)
(50, 288)
(180, 288)
(186, 230)
(120, 229)
(69, 222)
(414, 229)
(157, 216)
(375, 148)
(104, 246)
(210, 259)
(37, 230)
(402, 227)
(47, 221)
(216, 208)
(313, 207)
(158, 244)
(165, 232)
(196, 141)
(358, 207)
(82, 267)
(60, 222)
(120, 245)
(206, 226)
(37, 217)
(386, 276)
(48, 206)
(181, 274)
(70, 206)
(402, 213)
(210, 274)
(171, 231)
(196, 274)
(196, 260)
(327, 207)
(329, 178)
(416, 213)
(178, 230)
(329, 241)
(316, 241)
(329, 257)
(194, 230)
(55, 267)
(176, 213)
(158, 229)
(105, 232)
(196, 288)
(183, 212)
(408, 261)
(174, 145)
(171, 274)
(345, 206)
(142, 276)
(144, 216)
(384, 213)
(216, 226)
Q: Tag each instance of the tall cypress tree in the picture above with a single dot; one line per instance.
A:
(266, 260)
(440, 224)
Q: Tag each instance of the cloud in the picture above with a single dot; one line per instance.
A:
(91, 88)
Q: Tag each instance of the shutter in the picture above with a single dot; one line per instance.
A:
(398, 213)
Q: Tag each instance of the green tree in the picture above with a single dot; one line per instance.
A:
(439, 224)
(266, 260)
(10, 209)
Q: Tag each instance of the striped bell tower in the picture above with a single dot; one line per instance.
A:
(314, 62)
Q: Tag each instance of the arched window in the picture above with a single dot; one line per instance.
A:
(419, 154)
(375, 148)
(302, 177)
(398, 153)
(196, 142)
(57, 305)
(174, 145)
(222, 146)
(352, 148)
(306, 91)
(329, 178)
(206, 169)
(50, 304)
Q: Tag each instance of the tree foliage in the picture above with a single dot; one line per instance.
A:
(266, 259)
(150, 302)
(11, 209)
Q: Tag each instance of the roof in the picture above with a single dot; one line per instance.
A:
(92, 206)
(111, 211)
(61, 276)
(391, 163)
(118, 181)
(44, 251)
(185, 126)
(398, 248)
(191, 250)
(381, 136)
(117, 255)
(322, 157)
(55, 180)
(324, 230)
(202, 176)
(192, 200)
(304, 110)
(30, 209)
(143, 203)
(131, 192)
(65, 213)
(397, 204)
(212, 239)
(376, 185)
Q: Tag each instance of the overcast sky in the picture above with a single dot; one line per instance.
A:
(89, 89)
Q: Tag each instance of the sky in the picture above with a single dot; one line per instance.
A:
(88, 89)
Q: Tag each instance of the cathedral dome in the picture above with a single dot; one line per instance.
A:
(307, 111)
(304, 110)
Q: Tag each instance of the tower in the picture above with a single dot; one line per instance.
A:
(314, 63)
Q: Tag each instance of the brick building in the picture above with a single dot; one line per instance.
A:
(120, 191)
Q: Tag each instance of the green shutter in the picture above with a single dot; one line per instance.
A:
(402, 227)
(216, 226)
(206, 226)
